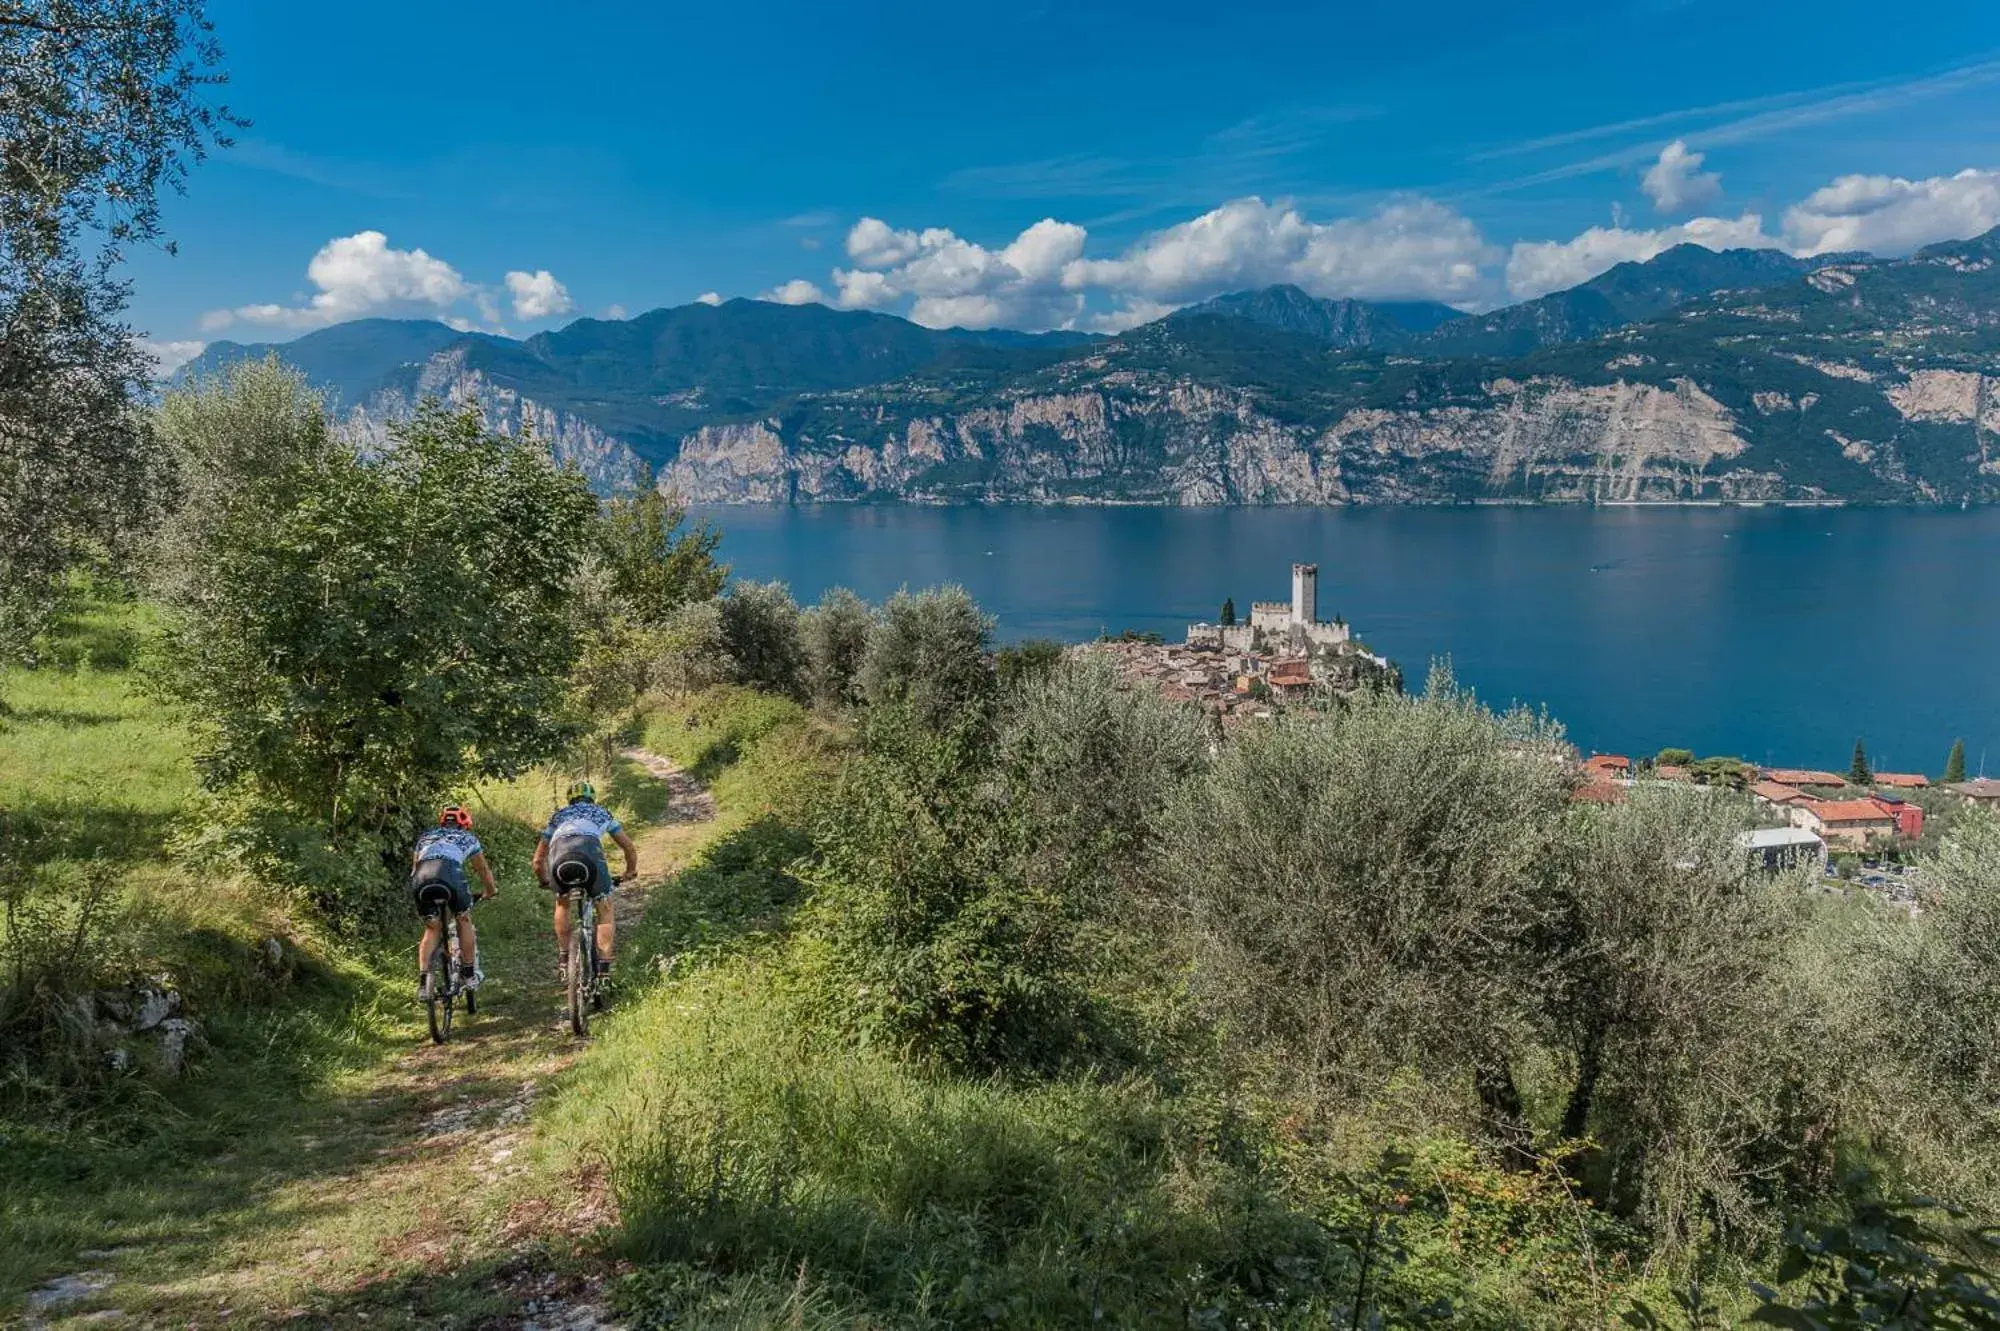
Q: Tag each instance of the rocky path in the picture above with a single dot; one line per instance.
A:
(423, 1173)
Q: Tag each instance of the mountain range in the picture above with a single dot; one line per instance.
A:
(1739, 375)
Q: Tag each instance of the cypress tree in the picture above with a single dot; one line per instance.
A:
(1954, 766)
(1857, 772)
(1228, 616)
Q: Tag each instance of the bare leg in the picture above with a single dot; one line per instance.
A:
(607, 929)
(468, 941)
(562, 929)
(433, 934)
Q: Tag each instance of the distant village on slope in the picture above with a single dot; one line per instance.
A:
(1284, 654)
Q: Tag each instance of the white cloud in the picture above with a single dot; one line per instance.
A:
(1890, 215)
(361, 275)
(798, 291)
(614, 311)
(538, 295)
(709, 298)
(1407, 247)
(873, 243)
(169, 356)
(1676, 183)
(1535, 268)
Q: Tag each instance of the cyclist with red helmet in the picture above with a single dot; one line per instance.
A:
(441, 858)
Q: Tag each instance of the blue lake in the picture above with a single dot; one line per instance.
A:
(1776, 634)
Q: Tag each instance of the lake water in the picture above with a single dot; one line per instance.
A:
(1776, 634)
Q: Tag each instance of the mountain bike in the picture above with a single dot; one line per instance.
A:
(585, 987)
(444, 989)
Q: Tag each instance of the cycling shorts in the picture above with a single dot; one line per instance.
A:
(438, 883)
(574, 857)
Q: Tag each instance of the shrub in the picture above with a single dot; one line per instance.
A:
(836, 643)
(760, 633)
(928, 652)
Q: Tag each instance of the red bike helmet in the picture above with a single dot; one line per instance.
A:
(455, 815)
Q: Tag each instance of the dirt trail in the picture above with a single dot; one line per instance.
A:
(426, 1172)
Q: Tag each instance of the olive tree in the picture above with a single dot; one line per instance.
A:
(836, 642)
(1358, 889)
(103, 105)
(928, 652)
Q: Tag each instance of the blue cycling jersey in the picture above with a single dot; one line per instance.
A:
(454, 845)
(582, 818)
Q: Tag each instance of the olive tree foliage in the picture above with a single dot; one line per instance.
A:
(354, 636)
(760, 633)
(1358, 889)
(835, 634)
(1693, 1064)
(1937, 1015)
(928, 653)
(103, 105)
(968, 871)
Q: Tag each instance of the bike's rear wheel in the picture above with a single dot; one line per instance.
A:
(580, 966)
(438, 1007)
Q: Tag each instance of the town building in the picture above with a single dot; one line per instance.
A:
(1608, 766)
(1775, 848)
(1802, 776)
(1778, 793)
(1983, 791)
(1292, 627)
(1902, 780)
(1846, 824)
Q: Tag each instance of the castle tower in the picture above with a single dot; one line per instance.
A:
(1305, 595)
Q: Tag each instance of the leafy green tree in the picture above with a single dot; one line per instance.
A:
(1905, 1265)
(358, 639)
(1857, 770)
(103, 105)
(1954, 766)
(836, 642)
(655, 566)
(760, 632)
(1228, 616)
(1674, 758)
(928, 651)
(1021, 663)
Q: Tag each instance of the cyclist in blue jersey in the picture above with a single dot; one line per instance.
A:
(440, 860)
(575, 836)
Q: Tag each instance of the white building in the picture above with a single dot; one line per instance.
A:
(1776, 848)
(1278, 626)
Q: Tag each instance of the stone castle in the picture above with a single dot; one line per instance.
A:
(1277, 626)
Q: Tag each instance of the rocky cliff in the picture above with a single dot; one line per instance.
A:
(1856, 381)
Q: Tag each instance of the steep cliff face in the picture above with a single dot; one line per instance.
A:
(1189, 443)
(609, 462)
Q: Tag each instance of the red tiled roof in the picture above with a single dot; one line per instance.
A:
(1607, 762)
(1850, 811)
(1777, 792)
(1802, 776)
(1600, 792)
(1291, 672)
(1902, 780)
(1672, 772)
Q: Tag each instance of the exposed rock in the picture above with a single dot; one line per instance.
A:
(65, 1290)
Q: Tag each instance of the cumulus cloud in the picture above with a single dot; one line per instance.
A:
(614, 311)
(709, 298)
(1407, 247)
(538, 295)
(169, 356)
(873, 243)
(798, 291)
(1890, 215)
(363, 275)
(1676, 183)
(360, 275)
(1535, 268)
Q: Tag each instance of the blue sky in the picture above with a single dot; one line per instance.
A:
(516, 165)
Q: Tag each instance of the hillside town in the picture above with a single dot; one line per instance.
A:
(1283, 654)
(1241, 669)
